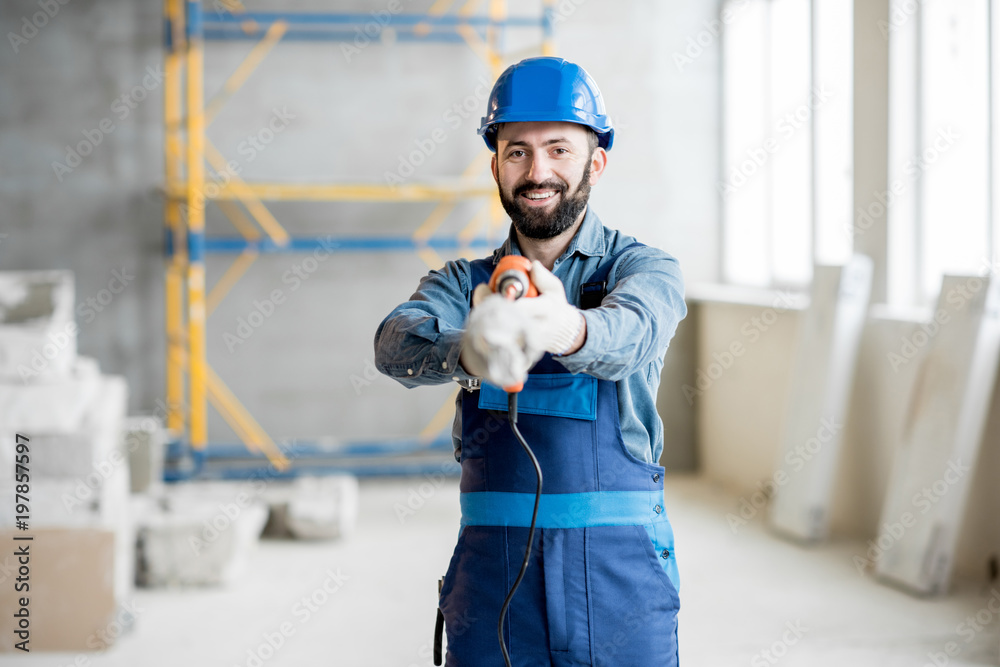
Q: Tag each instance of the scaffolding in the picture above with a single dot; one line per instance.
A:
(191, 384)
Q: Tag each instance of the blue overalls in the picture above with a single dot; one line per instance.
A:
(601, 587)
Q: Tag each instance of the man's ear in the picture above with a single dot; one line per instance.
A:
(598, 162)
(493, 169)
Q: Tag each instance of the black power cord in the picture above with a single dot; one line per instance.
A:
(512, 418)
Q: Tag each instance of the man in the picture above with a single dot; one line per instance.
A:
(601, 585)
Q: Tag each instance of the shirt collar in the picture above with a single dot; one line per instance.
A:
(588, 240)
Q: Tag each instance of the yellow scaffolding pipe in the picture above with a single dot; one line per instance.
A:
(423, 233)
(497, 217)
(498, 12)
(443, 209)
(229, 279)
(430, 256)
(242, 224)
(246, 438)
(439, 8)
(411, 192)
(242, 73)
(443, 417)
(253, 434)
(198, 405)
(469, 8)
(469, 232)
(176, 264)
(548, 44)
(252, 202)
(434, 220)
(478, 46)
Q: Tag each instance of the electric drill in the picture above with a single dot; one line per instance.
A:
(512, 280)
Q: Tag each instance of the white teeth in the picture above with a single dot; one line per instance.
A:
(531, 195)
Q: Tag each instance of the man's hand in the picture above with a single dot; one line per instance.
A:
(503, 339)
(556, 326)
(497, 344)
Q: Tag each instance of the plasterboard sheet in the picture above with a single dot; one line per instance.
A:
(940, 442)
(823, 372)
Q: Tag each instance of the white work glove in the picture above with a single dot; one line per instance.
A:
(555, 324)
(503, 339)
(496, 344)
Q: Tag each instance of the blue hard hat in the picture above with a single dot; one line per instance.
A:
(546, 89)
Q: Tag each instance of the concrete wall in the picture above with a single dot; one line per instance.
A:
(353, 116)
(106, 214)
(741, 417)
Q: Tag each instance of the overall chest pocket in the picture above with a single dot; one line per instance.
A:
(553, 395)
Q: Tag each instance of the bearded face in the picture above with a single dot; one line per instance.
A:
(544, 173)
(547, 209)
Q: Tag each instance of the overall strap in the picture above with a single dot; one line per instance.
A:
(594, 290)
(480, 271)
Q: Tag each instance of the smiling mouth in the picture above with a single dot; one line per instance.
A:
(539, 196)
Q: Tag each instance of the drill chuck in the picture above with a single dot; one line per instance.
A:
(512, 284)
(512, 278)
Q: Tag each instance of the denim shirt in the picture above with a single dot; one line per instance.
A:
(419, 342)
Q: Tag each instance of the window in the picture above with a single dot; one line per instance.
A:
(940, 167)
(786, 183)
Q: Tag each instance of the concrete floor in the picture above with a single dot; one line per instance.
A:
(741, 593)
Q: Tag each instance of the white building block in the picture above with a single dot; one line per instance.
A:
(37, 329)
(313, 507)
(98, 500)
(78, 470)
(58, 406)
(196, 536)
(96, 445)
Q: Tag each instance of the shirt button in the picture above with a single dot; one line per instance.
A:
(444, 365)
(657, 509)
(409, 371)
(656, 477)
(665, 554)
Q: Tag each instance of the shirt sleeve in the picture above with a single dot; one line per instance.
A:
(419, 342)
(636, 320)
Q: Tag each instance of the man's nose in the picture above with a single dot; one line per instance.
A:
(541, 168)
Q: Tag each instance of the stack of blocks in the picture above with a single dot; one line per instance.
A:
(100, 518)
(82, 547)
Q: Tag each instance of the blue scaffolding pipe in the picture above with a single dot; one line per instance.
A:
(305, 450)
(311, 458)
(305, 35)
(340, 19)
(358, 470)
(238, 244)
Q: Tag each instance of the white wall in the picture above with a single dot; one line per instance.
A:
(660, 182)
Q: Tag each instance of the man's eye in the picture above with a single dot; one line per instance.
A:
(516, 154)
(560, 151)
